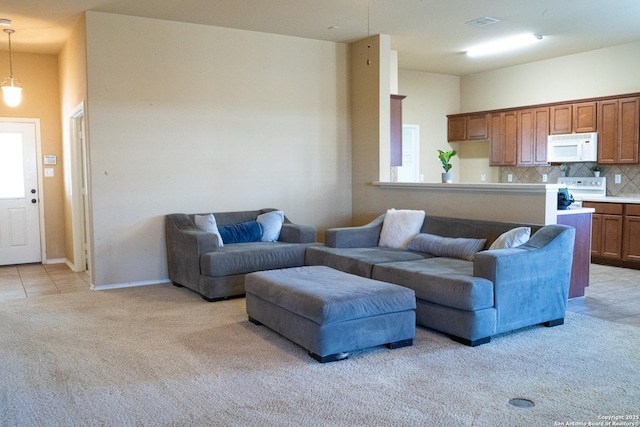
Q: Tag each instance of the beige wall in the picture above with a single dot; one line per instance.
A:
(191, 118)
(41, 100)
(430, 97)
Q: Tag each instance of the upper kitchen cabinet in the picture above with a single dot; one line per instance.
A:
(533, 129)
(467, 127)
(572, 118)
(502, 138)
(618, 128)
(396, 129)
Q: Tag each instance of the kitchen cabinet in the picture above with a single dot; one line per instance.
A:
(560, 119)
(631, 237)
(573, 118)
(531, 144)
(584, 117)
(618, 134)
(503, 138)
(468, 127)
(606, 231)
(396, 129)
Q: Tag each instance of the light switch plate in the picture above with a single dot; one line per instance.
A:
(618, 178)
(48, 172)
(509, 177)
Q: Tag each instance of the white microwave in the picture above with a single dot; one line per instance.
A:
(573, 147)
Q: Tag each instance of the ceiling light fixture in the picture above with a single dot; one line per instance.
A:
(504, 45)
(11, 87)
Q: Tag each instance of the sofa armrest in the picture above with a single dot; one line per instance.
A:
(365, 236)
(296, 233)
(185, 243)
(531, 282)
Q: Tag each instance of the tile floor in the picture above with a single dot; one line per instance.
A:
(613, 294)
(32, 280)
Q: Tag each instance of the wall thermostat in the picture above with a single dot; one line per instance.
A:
(50, 159)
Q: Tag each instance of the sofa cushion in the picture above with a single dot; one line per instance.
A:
(271, 225)
(327, 296)
(208, 224)
(358, 261)
(512, 238)
(241, 233)
(454, 247)
(243, 258)
(399, 226)
(444, 281)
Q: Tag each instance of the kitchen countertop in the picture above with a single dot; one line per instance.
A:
(575, 210)
(633, 200)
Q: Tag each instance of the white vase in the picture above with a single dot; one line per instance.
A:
(596, 173)
(447, 177)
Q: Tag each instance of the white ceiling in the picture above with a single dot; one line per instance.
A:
(429, 35)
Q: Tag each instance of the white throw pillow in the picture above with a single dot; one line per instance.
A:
(399, 227)
(208, 223)
(271, 225)
(512, 238)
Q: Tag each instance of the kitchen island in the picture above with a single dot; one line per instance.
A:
(580, 219)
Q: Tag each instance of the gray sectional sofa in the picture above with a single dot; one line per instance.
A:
(470, 300)
(197, 261)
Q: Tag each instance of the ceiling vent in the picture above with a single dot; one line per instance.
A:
(482, 22)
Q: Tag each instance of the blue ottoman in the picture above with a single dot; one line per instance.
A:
(329, 312)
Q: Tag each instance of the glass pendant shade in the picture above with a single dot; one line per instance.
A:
(12, 92)
(11, 87)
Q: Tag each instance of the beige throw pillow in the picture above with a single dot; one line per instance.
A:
(399, 227)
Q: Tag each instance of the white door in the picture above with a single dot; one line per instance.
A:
(410, 169)
(19, 195)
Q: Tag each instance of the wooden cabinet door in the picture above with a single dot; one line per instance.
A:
(477, 127)
(631, 240)
(560, 119)
(502, 139)
(396, 129)
(611, 236)
(533, 128)
(456, 129)
(607, 131)
(618, 131)
(584, 117)
(628, 126)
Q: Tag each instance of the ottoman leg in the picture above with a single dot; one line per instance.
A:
(329, 358)
(400, 344)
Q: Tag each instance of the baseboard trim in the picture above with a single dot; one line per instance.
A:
(55, 261)
(130, 284)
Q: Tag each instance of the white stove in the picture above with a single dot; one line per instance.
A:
(582, 188)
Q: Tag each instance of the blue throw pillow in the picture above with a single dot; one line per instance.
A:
(241, 233)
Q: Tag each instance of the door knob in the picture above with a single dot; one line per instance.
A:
(33, 200)
(33, 191)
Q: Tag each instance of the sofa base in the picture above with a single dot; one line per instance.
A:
(222, 298)
(556, 322)
(470, 343)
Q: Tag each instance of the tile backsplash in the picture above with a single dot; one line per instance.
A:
(629, 176)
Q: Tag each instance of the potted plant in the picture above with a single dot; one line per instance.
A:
(444, 157)
(563, 169)
(596, 170)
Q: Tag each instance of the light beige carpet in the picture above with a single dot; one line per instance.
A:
(161, 356)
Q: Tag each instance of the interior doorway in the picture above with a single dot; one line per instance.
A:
(410, 169)
(79, 183)
(21, 204)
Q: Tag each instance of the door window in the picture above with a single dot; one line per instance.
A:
(12, 183)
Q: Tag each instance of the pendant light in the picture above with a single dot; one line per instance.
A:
(11, 86)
